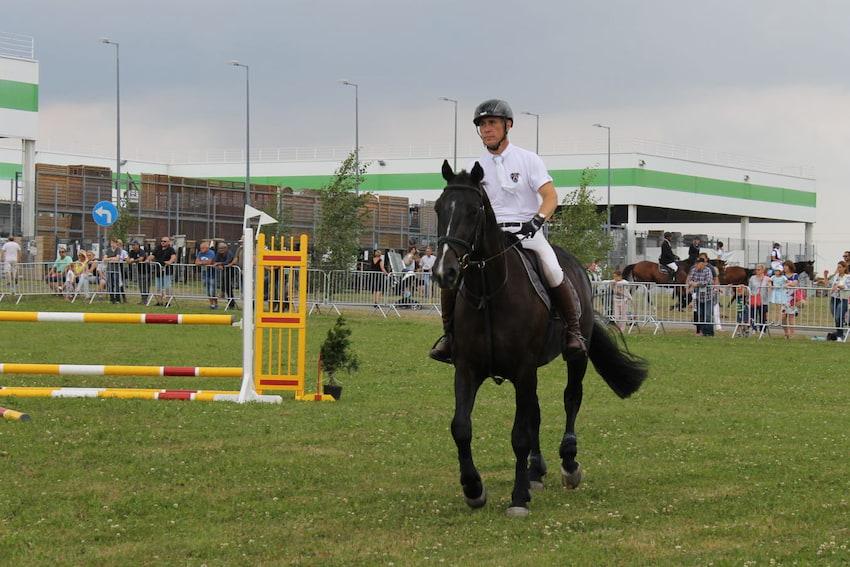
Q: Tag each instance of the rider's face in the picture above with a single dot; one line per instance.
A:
(492, 130)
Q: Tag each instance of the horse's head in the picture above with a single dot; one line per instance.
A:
(460, 223)
(807, 267)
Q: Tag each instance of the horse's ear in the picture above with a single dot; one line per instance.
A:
(477, 173)
(448, 174)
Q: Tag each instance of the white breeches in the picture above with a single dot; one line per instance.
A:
(673, 266)
(548, 260)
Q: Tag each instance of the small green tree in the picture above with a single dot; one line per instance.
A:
(284, 218)
(341, 218)
(122, 224)
(336, 352)
(578, 226)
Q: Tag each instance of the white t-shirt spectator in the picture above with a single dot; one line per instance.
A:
(11, 252)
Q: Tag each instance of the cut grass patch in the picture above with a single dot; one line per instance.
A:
(732, 453)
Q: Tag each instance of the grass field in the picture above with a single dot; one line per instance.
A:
(733, 453)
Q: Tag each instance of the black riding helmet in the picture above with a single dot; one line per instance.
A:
(668, 234)
(494, 108)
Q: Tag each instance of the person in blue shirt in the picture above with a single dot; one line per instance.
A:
(205, 260)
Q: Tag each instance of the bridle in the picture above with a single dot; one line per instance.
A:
(465, 260)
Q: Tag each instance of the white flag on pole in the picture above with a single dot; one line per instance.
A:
(251, 212)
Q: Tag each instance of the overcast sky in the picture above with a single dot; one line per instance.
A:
(766, 79)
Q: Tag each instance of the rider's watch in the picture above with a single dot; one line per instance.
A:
(541, 217)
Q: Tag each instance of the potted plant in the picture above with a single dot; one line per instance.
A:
(336, 355)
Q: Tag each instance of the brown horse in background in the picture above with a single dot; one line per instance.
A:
(649, 272)
(734, 275)
(738, 275)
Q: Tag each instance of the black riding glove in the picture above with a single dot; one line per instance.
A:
(530, 228)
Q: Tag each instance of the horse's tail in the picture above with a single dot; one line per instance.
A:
(627, 272)
(623, 371)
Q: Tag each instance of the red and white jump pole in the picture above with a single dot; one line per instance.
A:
(247, 392)
(132, 318)
(121, 370)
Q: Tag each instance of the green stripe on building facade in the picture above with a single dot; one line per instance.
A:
(637, 177)
(563, 178)
(18, 96)
(8, 170)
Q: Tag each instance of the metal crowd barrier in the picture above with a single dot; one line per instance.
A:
(731, 309)
(382, 293)
(640, 305)
(187, 281)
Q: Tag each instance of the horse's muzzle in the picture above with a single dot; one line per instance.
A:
(446, 272)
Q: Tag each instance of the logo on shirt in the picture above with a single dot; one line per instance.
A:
(514, 177)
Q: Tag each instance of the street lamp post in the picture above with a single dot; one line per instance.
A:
(454, 151)
(108, 41)
(356, 133)
(608, 207)
(536, 131)
(236, 63)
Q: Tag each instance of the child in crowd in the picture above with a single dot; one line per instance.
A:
(742, 309)
(758, 285)
(622, 299)
(789, 310)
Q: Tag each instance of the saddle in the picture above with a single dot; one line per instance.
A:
(532, 269)
(666, 271)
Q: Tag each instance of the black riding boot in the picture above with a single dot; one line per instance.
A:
(564, 298)
(442, 349)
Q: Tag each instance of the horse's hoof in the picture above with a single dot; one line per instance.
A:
(477, 502)
(573, 479)
(535, 485)
(517, 512)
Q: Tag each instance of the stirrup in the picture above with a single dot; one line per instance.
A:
(577, 351)
(441, 351)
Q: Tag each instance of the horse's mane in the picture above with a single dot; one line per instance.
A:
(463, 177)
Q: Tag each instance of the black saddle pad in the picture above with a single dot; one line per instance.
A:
(532, 269)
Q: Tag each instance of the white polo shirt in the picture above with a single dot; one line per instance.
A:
(513, 194)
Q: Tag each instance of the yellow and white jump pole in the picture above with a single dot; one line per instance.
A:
(7, 413)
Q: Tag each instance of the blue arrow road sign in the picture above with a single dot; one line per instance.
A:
(105, 213)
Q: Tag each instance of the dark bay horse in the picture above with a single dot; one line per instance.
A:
(503, 329)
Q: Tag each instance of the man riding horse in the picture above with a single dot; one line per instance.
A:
(667, 258)
(694, 250)
(523, 196)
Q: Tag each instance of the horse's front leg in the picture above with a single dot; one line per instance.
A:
(466, 388)
(570, 467)
(536, 463)
(526, 427)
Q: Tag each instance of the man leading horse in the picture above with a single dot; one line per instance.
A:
(523, 197)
